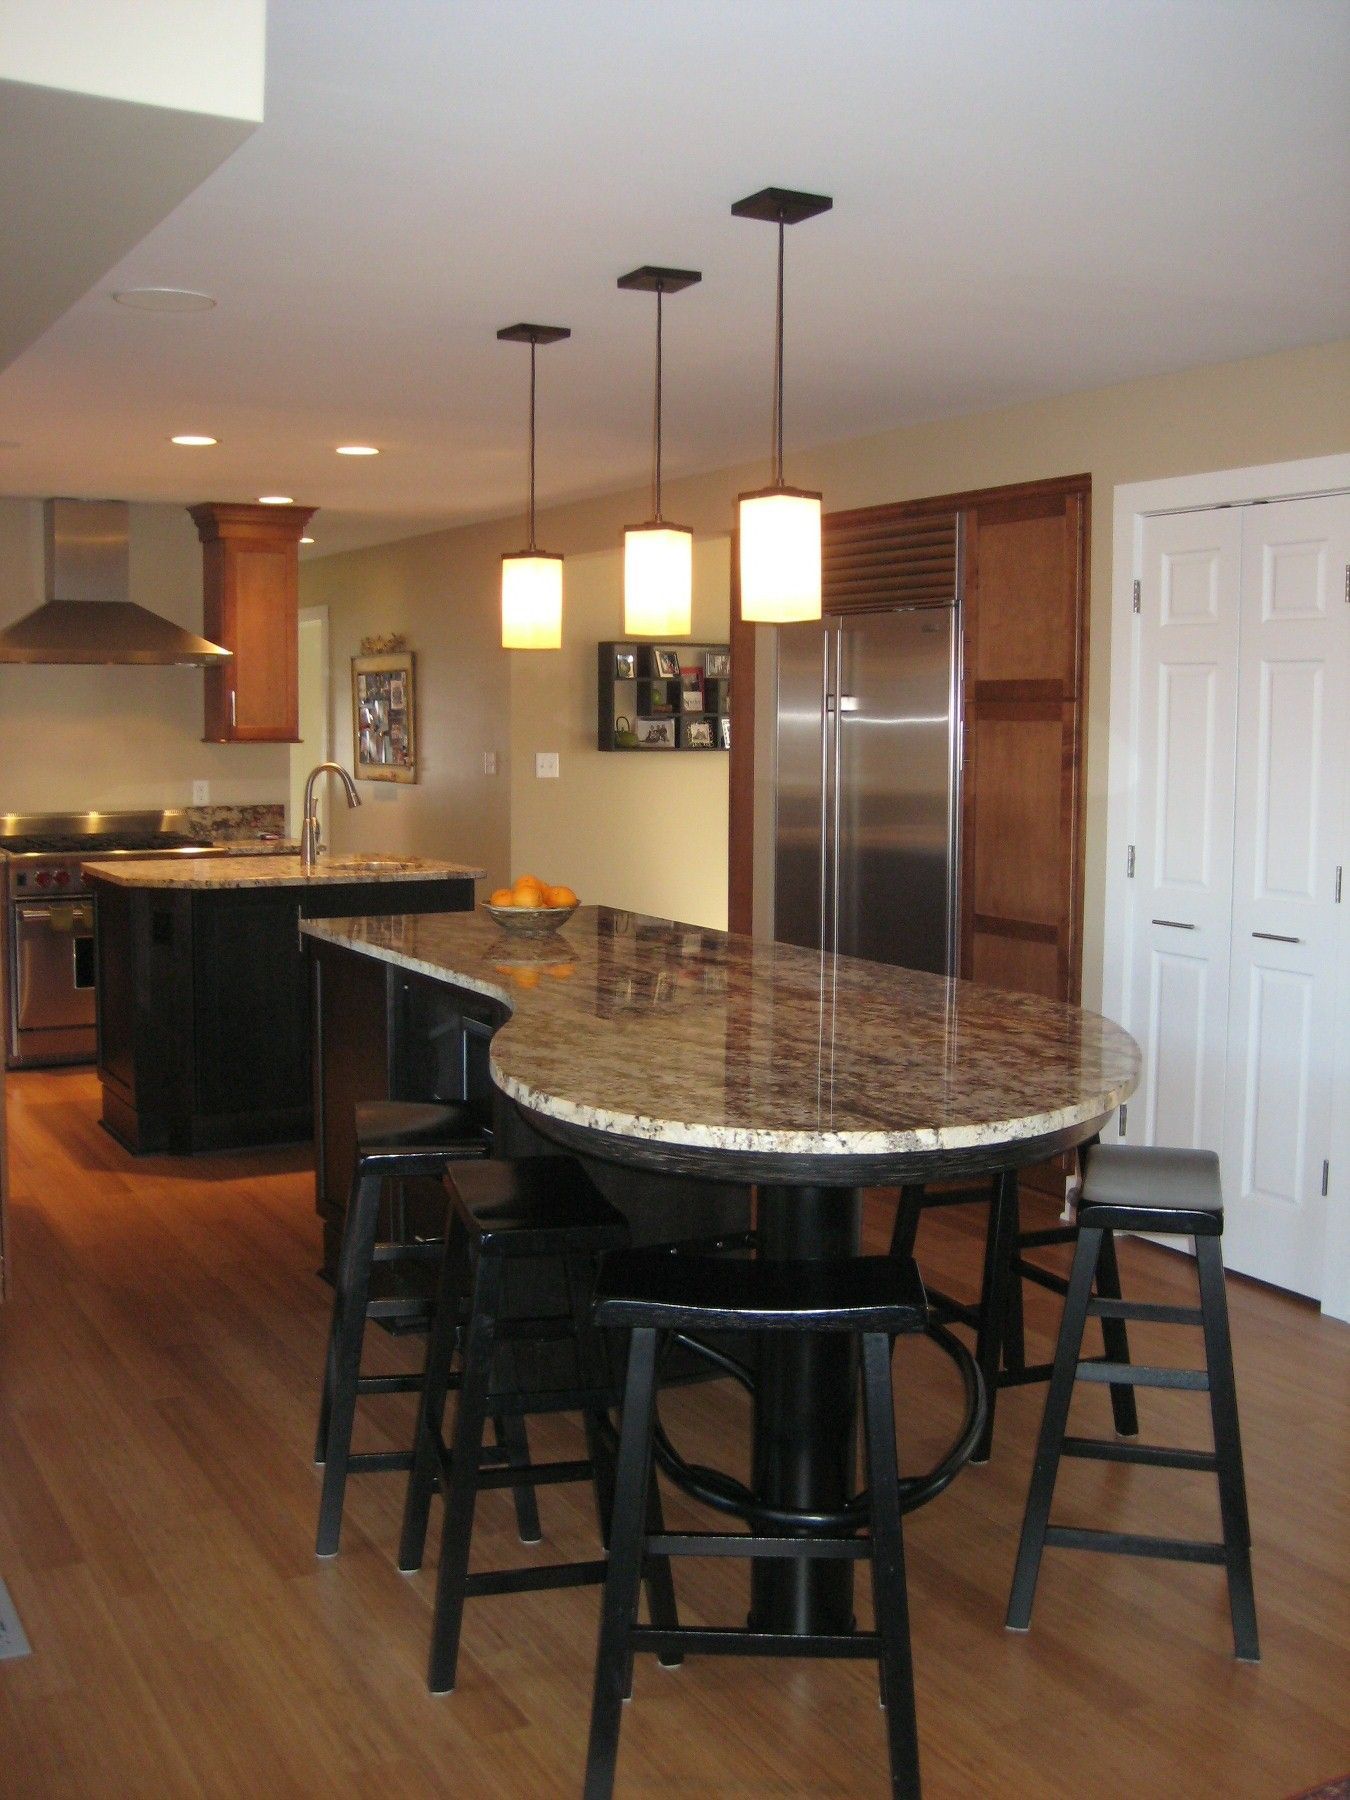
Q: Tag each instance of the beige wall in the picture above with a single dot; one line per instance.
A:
(116, 738)
(1270, 409)
(440, 592)
(644, 832)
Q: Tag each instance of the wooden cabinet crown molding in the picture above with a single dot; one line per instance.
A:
(251, 605)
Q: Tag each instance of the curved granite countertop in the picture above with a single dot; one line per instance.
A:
(209, 871)
(673, 1036)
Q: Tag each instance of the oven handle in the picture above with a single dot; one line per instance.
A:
(81, 914)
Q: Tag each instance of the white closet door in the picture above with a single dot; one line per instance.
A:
(1290, 807)
(1186, 735)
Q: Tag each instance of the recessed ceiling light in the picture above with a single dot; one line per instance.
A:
(193, 442)
(164, 299)
(357, 450)
(275, 500)
(307, 540)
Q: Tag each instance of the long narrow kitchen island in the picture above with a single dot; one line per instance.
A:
(203, 992)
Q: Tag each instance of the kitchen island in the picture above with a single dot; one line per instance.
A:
(203, 996)
(667, 1051)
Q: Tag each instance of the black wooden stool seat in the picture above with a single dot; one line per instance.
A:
(537, 1216)
(874, 1298)
(396, 1140)
(1167, 1192)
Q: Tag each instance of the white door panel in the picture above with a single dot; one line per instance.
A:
(1187, 729)
(1288, 931)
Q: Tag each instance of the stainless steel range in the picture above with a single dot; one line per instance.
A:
(48, 921)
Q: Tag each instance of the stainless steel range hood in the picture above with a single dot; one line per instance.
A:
(87, 617)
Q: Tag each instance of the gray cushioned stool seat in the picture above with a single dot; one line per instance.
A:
(1148, 1187)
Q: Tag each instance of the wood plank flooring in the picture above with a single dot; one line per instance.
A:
(158, 1376)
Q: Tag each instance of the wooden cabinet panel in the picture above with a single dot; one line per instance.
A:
(251, 605)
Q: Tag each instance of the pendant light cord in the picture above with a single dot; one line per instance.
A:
(778, 368)
(656, 448)
(533, 348)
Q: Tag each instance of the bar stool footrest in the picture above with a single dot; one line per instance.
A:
(1157, 1456)
(389, 1384)
(1146, 1310)
(1133, 1543)
(554, 1474)
(537, 1580)
(740, 1543)
(1141, 1375)
(376, 1462)
(737, 1641)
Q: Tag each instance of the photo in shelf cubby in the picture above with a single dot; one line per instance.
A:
(656, 734)
(691, 690)
(666, 664)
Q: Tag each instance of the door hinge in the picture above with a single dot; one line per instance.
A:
(1136, 589)
(1347, 584)
(1124, 1114)
(1129, 862)
(1326, 1177)
(1338, 884)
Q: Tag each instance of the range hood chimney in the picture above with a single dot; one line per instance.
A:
(87, 616)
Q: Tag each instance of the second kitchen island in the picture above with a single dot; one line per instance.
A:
(203, 998)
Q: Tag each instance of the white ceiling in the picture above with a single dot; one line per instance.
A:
(1031, 196)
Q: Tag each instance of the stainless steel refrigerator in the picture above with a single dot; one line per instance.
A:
(867, 786)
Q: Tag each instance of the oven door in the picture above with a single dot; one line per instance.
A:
(53, 965)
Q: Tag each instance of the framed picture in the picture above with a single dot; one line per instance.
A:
(724, 733)
(717, 664)
(383, 724)
(625, 665)
(666, 664)
(691, 690)
(656, 734)
(698, 734)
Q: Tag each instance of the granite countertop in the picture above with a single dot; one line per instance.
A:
(665, 1032)
(267, 868)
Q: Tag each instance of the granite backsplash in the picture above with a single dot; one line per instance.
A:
(229, 824)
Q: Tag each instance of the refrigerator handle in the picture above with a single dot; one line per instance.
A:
(843, 703)
(826, 761)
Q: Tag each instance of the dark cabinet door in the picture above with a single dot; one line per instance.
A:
(251, 1009)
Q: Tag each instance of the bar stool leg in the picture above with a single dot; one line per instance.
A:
(1227, 1448)
(1000, 1246)
(1014, 1334)
(619, 1608)
(461, 1488)
(1053, 1423)
(907, 1214)
(1124, 1410)
(431, 1412)
(513, 1439)
(888, 1567)
(337, 1411)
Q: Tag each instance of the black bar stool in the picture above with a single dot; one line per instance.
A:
(396, 1140)
(996, 1317)
(878, 1298)
(1175, 1193)
(541, 1211)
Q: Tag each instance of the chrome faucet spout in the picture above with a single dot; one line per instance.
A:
(310, 847)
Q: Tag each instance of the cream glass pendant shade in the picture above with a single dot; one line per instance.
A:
(532, 594)
(658, 558)
(658, 581)
(532, 579)
(779, 526)
(780, 556)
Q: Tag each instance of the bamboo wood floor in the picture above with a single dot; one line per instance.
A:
(158, 1373)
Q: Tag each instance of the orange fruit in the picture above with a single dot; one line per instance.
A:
(527, 892)
(559, 896)
(500, 897)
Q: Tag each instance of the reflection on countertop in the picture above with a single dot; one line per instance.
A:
(269, 867)
(651, 1029)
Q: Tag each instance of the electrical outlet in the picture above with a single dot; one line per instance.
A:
(546, 765)
(489, 762)
(201, 793)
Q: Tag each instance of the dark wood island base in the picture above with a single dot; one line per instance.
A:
(204, 1025)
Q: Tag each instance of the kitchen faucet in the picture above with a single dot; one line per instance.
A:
(309, 831)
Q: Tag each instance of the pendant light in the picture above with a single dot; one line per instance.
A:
(532, 580)
(780, 525)
(658, 558)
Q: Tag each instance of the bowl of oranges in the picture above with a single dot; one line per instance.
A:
(531, 907)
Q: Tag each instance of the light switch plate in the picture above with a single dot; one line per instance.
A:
(546, 765)
(201, 793)
(489, 762)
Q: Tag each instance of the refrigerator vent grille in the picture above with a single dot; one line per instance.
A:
(871, 560)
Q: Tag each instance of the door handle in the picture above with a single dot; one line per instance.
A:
(848, 703)
(1275, 937)
(1174, 924)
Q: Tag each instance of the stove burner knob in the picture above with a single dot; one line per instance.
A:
(62, 877)
(44, 878)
